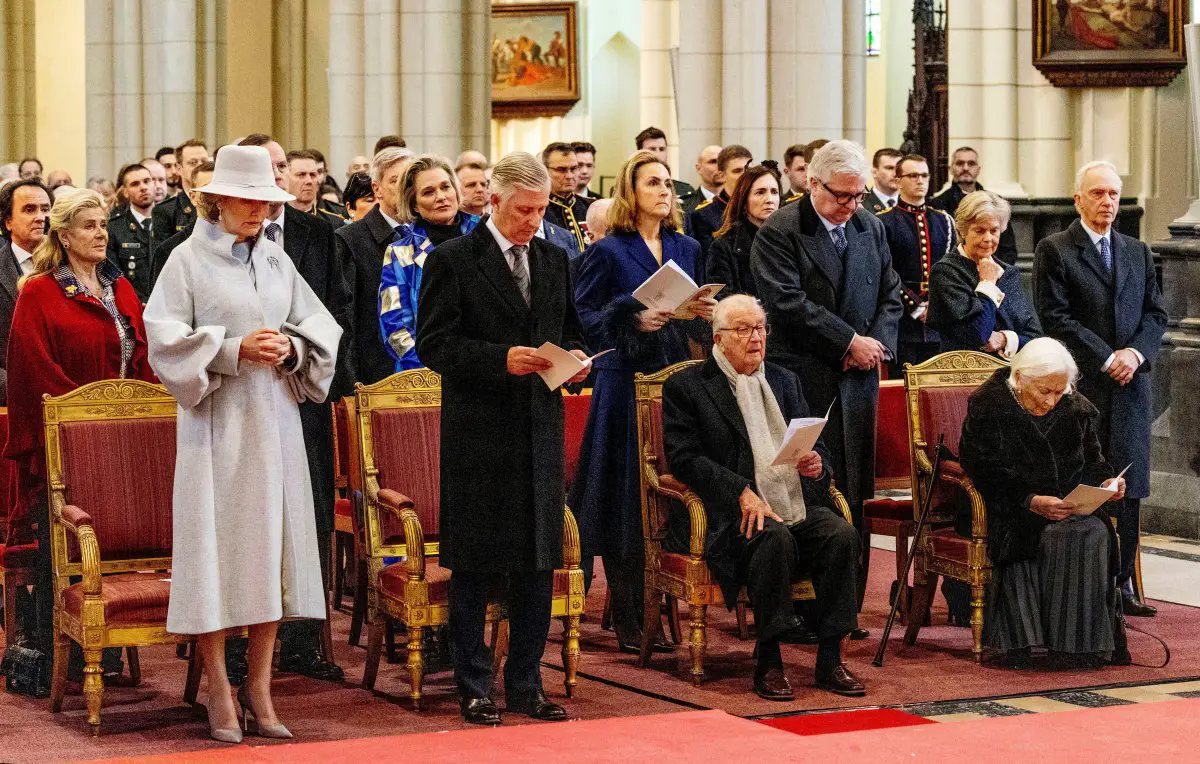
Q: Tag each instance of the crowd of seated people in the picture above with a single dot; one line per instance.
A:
(259, 290)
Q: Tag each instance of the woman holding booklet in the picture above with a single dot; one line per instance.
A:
(1029, 439)
(644, 235)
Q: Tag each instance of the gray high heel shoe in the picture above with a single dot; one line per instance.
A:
(277, 731)
(222, 734)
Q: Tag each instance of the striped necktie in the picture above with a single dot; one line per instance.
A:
(519, 262)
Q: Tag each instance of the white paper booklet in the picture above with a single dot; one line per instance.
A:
(1088, 498)
(670, 288)
(801, 436)
(565, 365)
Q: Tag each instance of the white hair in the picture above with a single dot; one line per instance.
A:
(733, 303)
(386, 158)
(1041, 358)
(1081, 175)
(840, 157)
(519, 170)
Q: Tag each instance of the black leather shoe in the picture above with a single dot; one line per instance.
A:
(799, 635)
(858, 635)
(1132, 604)
(841, 682)
(773, 684)
(311, 665)
(480, 711)
(633, 645)
(538, 706)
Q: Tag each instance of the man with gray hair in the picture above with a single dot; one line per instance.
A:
(488, 300)
(360, 249)
(1096, 292)
(768, 526)
(825, 276)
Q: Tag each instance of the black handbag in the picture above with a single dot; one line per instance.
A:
(26, 671)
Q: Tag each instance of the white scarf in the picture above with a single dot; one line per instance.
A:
(779, 486)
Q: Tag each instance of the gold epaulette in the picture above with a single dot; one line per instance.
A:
(795, 197)
(884, 211)
(704, 204)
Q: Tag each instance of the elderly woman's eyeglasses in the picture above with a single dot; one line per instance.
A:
(844, 200)
(744, 332)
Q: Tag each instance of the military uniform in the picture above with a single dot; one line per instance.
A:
(570, 213)
(875, 204)
(793, 198)
(918, 236)
(129, 249)
(170, 217)
(681, 188)
(703, 223)
(688, 203)
(331, 213)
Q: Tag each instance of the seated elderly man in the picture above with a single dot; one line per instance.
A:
(723, 423)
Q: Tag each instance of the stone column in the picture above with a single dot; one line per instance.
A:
(744, 108)
(17, 93)
(1044, 151)
(656, 96)
(60, 140)
(854, 71)
(699, 88)
(347, 112)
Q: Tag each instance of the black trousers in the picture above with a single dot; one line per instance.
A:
(625, 578)
(823, 547)
(1129, 526)
(528, 595)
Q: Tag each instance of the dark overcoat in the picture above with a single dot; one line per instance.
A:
(10, 274)
(1010, 461)
(502, 435)
(816, 303)
(606, 494)
(1094, 311)
(708, 448)
(964, 318)
(728, 261)
(360, 248)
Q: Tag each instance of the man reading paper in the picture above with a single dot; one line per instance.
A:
(768, 526)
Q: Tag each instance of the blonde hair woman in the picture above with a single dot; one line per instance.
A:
(643, 235)
(240, 339)
(77, 320)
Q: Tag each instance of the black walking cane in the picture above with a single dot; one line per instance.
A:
(887, 629)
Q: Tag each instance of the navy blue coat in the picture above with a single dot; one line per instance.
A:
(964, 318)
(1093, 312)
(562, 238)
(917, 237)
(605, 496)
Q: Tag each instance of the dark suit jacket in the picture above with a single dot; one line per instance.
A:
(360, 248)
(162, 251)
(1094, 311)
(502, 435)
(563, 239)
(816, 303)
(708, 448)
(964, 318)
(10, 273)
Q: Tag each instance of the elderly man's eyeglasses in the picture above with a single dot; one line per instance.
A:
(845, 200)
(744, 332)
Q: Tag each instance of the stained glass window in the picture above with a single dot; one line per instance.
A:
(873, 26)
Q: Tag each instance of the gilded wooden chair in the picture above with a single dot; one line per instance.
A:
(891, 515)
(684, 577)
(110, 458)
(936, 395)
(398, 436)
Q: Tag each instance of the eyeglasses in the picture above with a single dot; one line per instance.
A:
(844, 200)
(564, 170)
(744, 332)
(916, 175)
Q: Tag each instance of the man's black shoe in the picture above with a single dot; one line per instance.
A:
(859, 635)
(773, 684)
(312, 665)
(841, 682)
(1132, 604)
(538, 706)
(800, 635)
(480, 711)
(658, 644)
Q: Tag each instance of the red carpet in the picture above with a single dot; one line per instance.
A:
(845, 721)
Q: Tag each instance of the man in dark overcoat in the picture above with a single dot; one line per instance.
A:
(825, 277)
(1096, 292)
(488, 299)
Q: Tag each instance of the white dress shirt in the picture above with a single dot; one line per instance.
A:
(24, 259)
(888, 201)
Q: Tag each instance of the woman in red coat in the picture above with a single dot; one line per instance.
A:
(77, 320)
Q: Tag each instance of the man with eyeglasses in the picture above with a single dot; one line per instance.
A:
(769, 526)
(918, 235)
(824, 275)
(567, 209)
(964, 176)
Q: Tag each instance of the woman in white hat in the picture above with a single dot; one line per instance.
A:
(239, 339)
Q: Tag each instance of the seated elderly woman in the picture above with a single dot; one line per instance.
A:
(1029, 439)
(975, 301)
(723, 423)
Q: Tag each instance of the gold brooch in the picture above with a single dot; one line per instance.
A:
(71, 290)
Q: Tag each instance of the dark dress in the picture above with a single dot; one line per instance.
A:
(964, 318)
(605, 496)
(729, 261)
(1052, 582)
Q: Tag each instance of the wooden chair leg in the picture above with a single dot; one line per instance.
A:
(699, 614)
(977, 594)
(191, 687)
(742, 626)
(924, 585)
(606, 619)
(58, 672)
(416, 664)
(327, 633)
(500, 636)
(570, 652)
(673, 620)
(359, 609)
(93, 687)
(135, 665)
(374, 651)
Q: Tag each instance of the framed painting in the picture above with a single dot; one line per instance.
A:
(535, 59)
(1109, 43)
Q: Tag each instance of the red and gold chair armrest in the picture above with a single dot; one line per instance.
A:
(669, 486)
(414, 536)
(79, 523)
(570, 540)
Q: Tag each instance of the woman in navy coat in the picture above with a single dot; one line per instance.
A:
(644, 225)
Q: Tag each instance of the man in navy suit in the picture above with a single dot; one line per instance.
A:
(1096, 292)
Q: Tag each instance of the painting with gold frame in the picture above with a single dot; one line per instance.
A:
(1109, 43)
(534, 59)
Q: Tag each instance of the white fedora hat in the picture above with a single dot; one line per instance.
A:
(245, 172)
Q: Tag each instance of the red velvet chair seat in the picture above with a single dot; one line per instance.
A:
(393, 578)
(676, 564)
(18, 555)
(343, 508)
(899, 510)
(562, 582)
(949, 545)
(128, 598)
